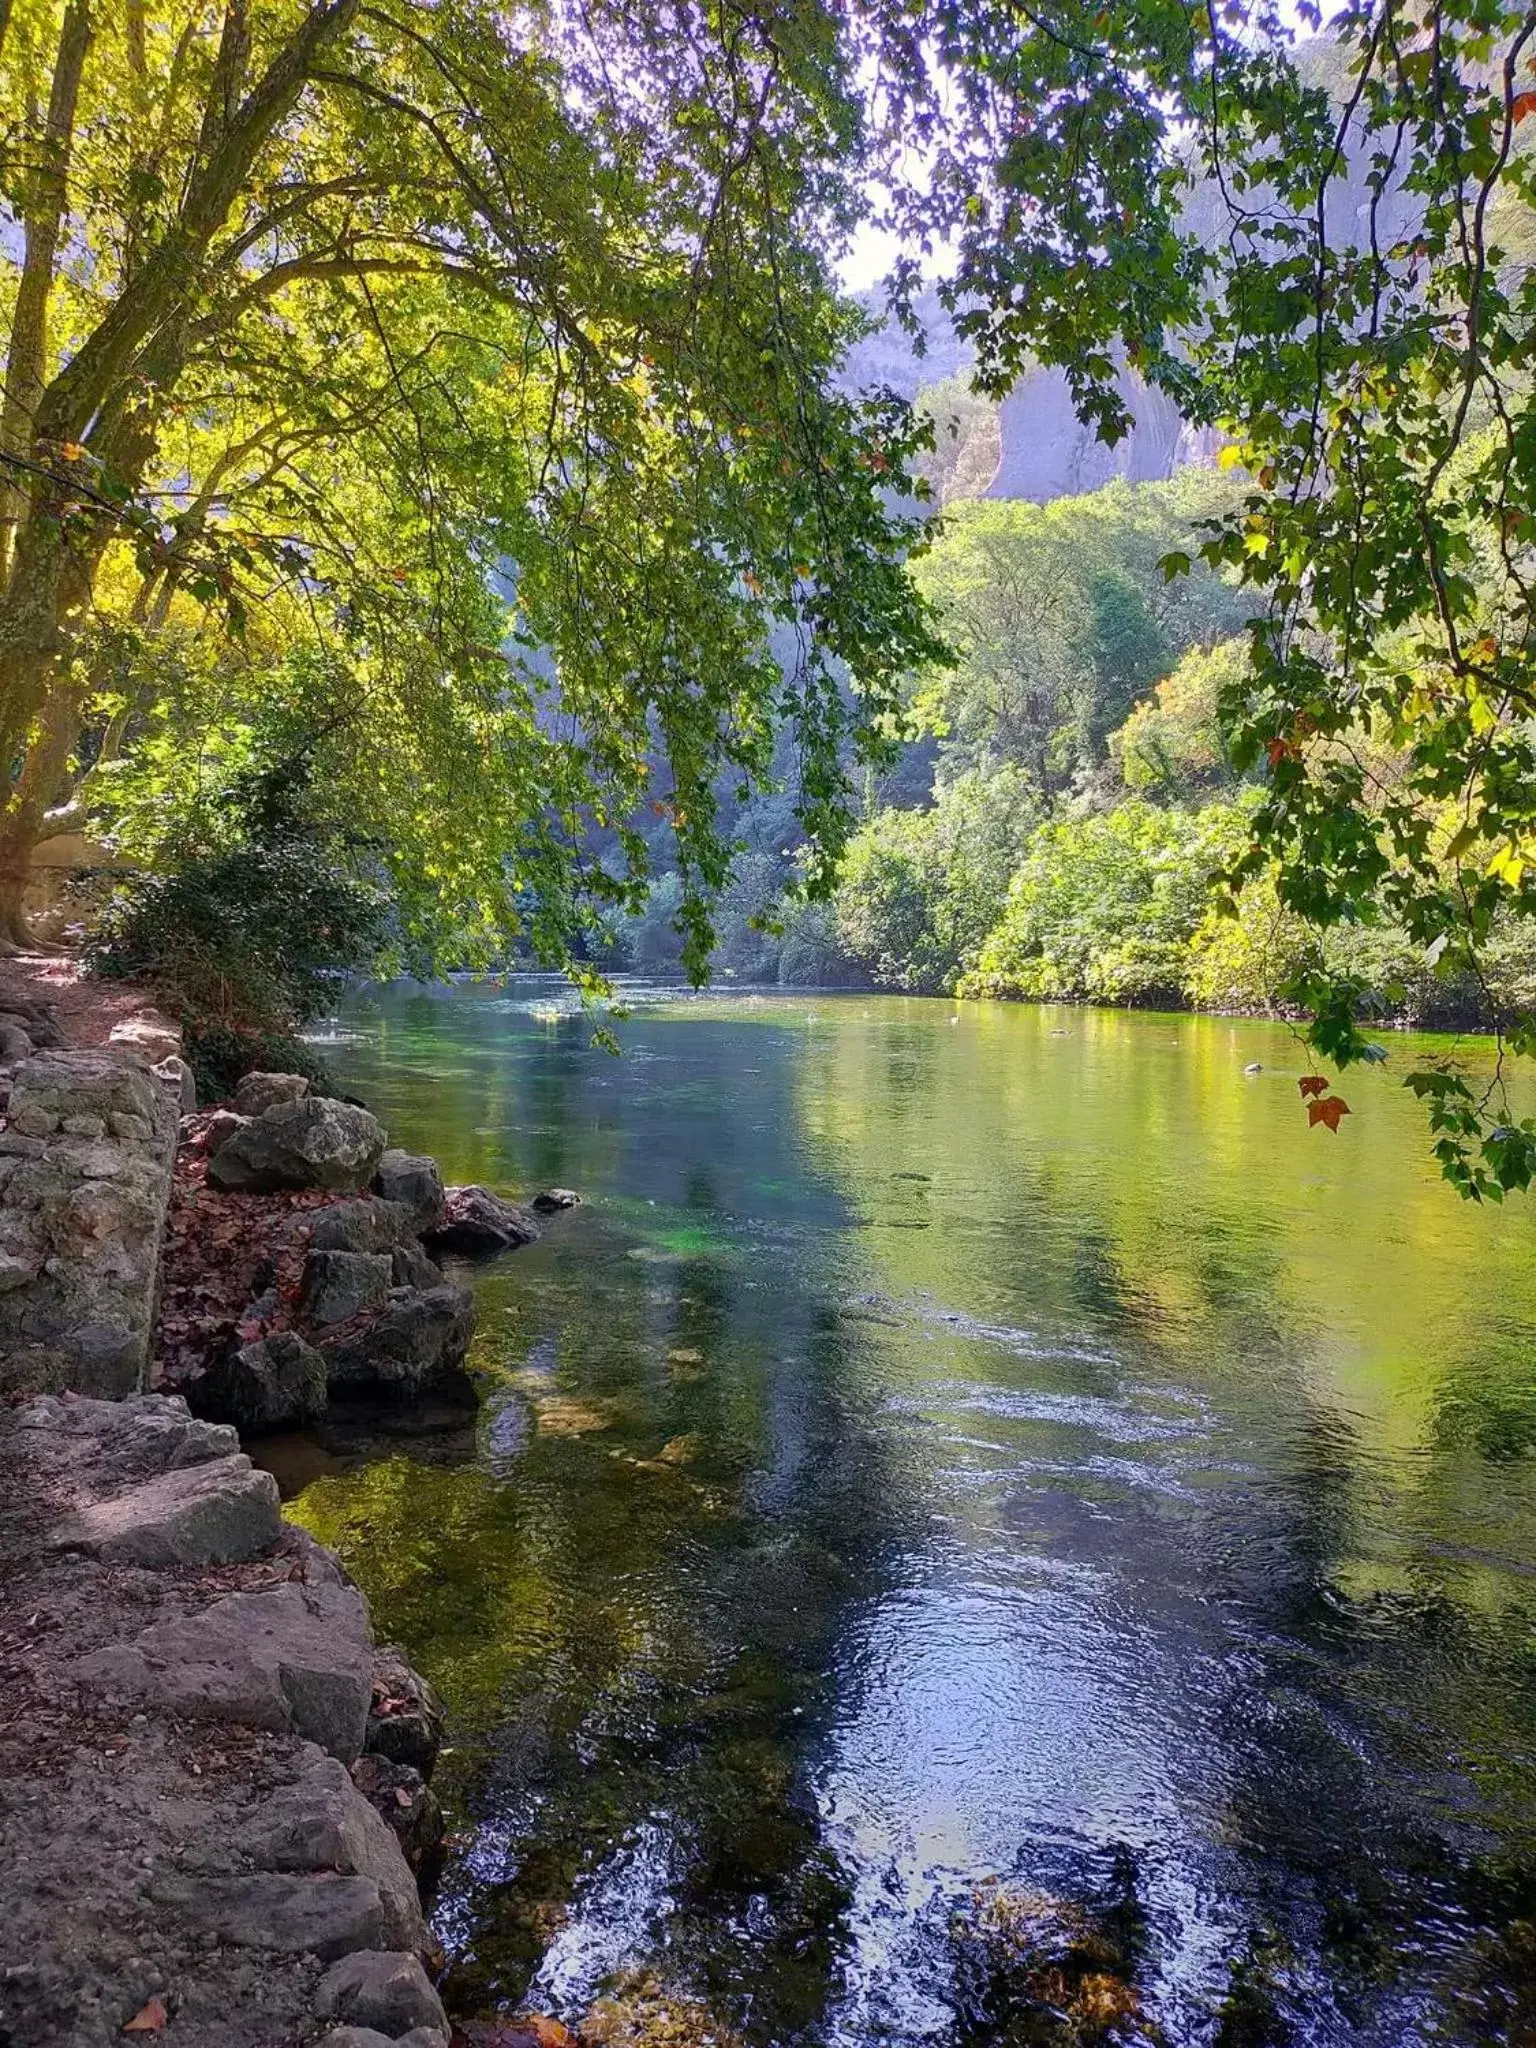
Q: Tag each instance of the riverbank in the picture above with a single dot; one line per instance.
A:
(214, 1808)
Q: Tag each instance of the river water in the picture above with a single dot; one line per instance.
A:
(983, 1529)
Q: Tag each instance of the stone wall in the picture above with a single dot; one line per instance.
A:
(85, 1178)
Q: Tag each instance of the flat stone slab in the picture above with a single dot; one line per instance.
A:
(326, 1916)
(218, 1513)
(293, 1659)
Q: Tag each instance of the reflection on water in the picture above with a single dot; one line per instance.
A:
(982, 1512)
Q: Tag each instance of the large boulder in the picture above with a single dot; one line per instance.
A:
(476, 1222)
(315, 1142)
(276, 1383)
(219, 1513)
(340, 1285)
(418, 1337)
(293, 1659)
(321, 1821)
(366, 1225)
(257, 1092)
(383, 1990)
(412, 1180)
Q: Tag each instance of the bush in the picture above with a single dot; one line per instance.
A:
(261, 907)
(219, 1055)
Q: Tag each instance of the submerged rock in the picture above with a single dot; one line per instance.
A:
(553, 1200)
(312, 1143)
(476, 1222)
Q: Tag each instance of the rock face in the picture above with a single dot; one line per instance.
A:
(416, 1338)
(237, 1895)
(256, 1092)
(476, 1222)
(311, 1143)
(414, 1181)
(85, 1172)
(276, 1383)
(405, 1717)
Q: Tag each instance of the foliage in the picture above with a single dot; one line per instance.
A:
(265, 902)
(1103, 907)
(922, 889)
(1061, 620)
(1172, 746)
(474, 369)
(1324, 249)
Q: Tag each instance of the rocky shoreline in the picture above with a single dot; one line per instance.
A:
(215, 1816)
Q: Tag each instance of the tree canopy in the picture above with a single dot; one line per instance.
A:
(449, 391)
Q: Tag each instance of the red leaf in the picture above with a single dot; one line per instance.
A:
(149, 2020)
(1278, 750)
(1522, 104)
(1328, 1111)
(1313, 1084)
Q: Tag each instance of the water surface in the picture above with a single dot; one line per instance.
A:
(962, 1462)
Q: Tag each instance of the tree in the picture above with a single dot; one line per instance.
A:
(1322, 248)
(1060, 619)
(466, 373)
(1172, 746)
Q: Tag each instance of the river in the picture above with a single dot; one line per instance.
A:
(981, 1507)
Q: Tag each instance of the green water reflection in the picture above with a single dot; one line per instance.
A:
(952, 1444)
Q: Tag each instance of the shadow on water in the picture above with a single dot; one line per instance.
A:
(979, 1531)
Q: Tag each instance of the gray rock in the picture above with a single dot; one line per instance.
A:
(218, 1513)
(256, 1092)
(381, 1989)
(220, 1128)
(15, 1043)
(555, 1199)
(407, 1805)
(177, 1075)
(340, 1285)
(405, 1717)
(327, 1916)
(410, 1267)
(356, 2037)
(323, 1822)
(412, 1179)
(275, 1383)
(415, 1338)
(364, 1226)
(312, 1143)
(107, 1444)
(294, 1659)
(476, 1222)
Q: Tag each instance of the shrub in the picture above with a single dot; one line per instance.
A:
(261, 906)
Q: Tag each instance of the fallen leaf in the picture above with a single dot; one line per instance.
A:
(1313, 1084)
(148, 2020)
(1328, 1111)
